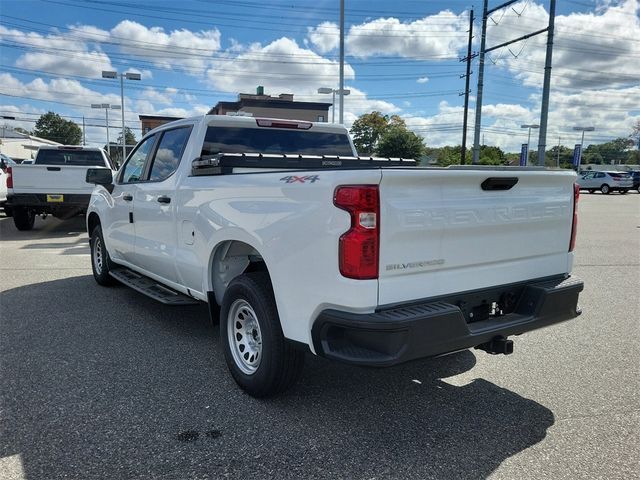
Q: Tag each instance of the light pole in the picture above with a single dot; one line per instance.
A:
(333, 101)
(106, 107)
(583, 129)
(128, 76)
(529, 126)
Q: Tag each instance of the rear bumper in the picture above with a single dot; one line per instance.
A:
(400, 333)
(39, 202)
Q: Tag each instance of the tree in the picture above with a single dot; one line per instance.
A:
(491, 155)
(129, 137)
(366, 131)
(397, 141)
(53, 127)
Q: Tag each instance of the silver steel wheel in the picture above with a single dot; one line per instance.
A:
(244, 337)
(97, 254)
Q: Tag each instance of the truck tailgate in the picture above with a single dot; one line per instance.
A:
(441, 232)
(51, 179)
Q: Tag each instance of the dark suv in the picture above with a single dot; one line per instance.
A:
(635, 175)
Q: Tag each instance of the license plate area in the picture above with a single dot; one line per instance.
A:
(53, 198)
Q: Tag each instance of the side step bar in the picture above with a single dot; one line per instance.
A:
(151, 288)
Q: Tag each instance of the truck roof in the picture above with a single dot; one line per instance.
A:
(252, 122)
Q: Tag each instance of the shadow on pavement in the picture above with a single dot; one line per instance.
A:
(105, 383)
(50, 228)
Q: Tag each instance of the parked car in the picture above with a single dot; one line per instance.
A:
(635, 176)
(606, 182)
(5, 163)
(306, 247)
(54, 184)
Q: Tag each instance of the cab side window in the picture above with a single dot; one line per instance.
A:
(134, 169)
(169, 153)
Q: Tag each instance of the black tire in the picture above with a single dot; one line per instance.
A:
(23, 218)
(606, 189)
(592, 190)
(280, 365)
(100, 261)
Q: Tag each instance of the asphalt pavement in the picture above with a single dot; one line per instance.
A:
(104, 383)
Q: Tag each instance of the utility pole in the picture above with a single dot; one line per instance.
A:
(547, 77)
(483, 44)
(468, 58)
(544, 114)
(341, 62)
(84, 132)
(558, 154)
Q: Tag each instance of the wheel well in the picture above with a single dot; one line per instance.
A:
(230, 259)
(92, 222)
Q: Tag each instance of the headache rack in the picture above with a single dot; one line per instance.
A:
(224, 163)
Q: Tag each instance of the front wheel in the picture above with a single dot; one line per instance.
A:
(23, 218)
(605, 189)
(260, 360)
(100, 261)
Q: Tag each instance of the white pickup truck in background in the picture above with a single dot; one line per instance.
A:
(54, 184)
(307, 247)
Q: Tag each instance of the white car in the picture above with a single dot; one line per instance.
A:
(606, 182)
(308, 248)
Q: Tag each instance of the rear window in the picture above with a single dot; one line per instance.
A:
(85, 158)
(269, 140)
(620, 175)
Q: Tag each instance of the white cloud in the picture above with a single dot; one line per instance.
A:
(184, 48)
(281, 66)
(325, 37)
(423, 80)
(435, 37)
(58, 53)
(591, 50)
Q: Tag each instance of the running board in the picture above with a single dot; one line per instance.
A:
(151, 288)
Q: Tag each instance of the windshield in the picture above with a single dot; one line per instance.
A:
(86, 158)
(268, 140)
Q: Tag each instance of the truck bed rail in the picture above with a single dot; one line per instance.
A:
(224, 163)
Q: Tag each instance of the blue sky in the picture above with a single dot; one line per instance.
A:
(402, 58)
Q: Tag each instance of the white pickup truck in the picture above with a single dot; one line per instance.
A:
(308, 248)
(54, 184)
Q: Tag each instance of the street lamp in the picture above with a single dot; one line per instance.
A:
(128, 76)
(529, 126)
(106, 107)
(333, 102)
(583, 129)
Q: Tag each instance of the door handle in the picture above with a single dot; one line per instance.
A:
(127, 198)
(164, 199)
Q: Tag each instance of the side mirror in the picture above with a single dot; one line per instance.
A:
(100, 176)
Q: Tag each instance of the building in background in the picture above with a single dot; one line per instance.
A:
(21, 146)
(149, 122)
(282, 106)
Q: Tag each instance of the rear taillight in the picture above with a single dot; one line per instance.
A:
(574, 225)
(9, 177)
(359, 246)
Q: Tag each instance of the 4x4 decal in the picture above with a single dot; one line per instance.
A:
(304, 179)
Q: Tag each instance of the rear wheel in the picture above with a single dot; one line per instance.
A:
(100, 261)
(605, 189)
(260, 360)
(23, 218)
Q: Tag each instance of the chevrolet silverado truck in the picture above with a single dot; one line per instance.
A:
(54, 184)
(306, 247)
